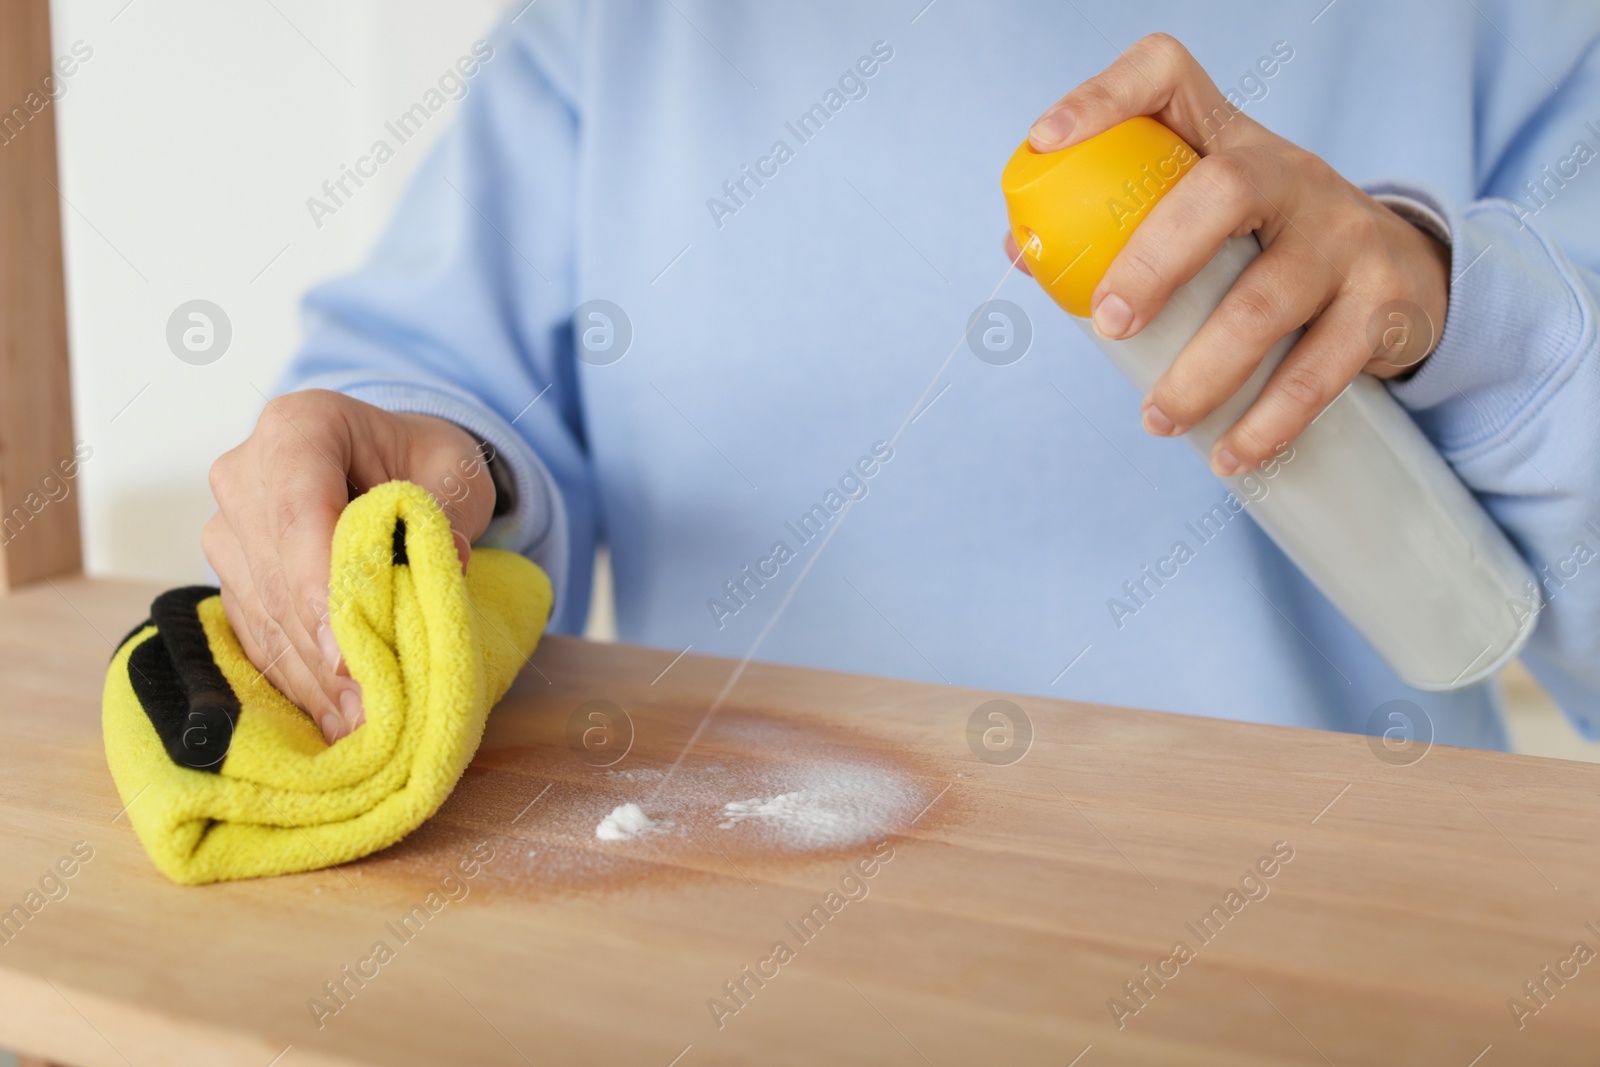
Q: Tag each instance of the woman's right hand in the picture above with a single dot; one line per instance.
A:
(279, 495)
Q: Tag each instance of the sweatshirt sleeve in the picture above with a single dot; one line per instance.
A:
(463, 309)
(1511, 394)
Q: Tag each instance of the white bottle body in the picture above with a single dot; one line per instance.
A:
(1366, 508)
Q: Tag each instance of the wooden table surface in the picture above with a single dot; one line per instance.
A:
(1018, 900)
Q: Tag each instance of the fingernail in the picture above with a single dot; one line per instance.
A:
(1113, 317)
(1156, 421)
(328, 646)
(1053, 128)
(350, 705)
(1225, 462)
(330, 727)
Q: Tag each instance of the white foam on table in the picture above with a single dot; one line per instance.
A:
(625, 821)
(813, 805)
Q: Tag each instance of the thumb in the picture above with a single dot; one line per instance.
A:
(454, 467)
(466, 495)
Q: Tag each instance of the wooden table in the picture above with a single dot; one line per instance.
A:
(1418, 901)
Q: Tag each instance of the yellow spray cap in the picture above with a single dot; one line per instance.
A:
(1072, 211)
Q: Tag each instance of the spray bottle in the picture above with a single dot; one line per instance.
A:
(1367, 508)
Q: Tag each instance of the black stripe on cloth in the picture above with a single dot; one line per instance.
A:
(188, 701)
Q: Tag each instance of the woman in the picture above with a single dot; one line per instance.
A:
(691, 271)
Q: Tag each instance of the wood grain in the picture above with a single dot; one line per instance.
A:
(1418, 901)
(39, 535)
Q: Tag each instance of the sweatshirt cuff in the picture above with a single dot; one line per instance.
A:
(1515, 323)
(536, 524)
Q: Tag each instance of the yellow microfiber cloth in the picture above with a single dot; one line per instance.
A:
(224, 778)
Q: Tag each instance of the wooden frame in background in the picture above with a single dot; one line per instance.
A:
(39, 534)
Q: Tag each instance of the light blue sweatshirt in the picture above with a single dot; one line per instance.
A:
(797, 209)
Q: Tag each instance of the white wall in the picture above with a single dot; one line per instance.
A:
(189, 143)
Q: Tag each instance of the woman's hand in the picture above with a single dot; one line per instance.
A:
(279, 495)
(1333, 258)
